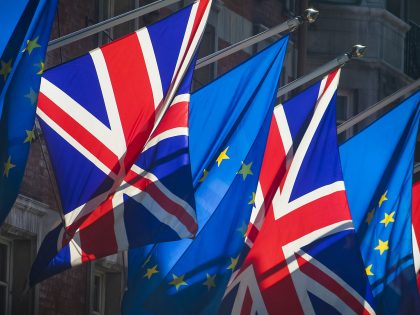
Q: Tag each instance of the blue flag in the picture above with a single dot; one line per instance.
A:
(378, 166)
(25, 34)
(228, 131)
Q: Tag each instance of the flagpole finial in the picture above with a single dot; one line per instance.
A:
(357, 51)
(310, 15)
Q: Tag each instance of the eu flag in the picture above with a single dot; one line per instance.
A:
(378, 166)
(228, 131)
(25, 35)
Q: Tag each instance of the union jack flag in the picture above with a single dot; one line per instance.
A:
(302, 258)
(116, 125)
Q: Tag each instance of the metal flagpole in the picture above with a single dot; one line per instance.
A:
(104, 25)
(310, 16)
(378, 106)
(356, 52)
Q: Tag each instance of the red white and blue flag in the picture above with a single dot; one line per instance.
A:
(116, 125)
(302, 257)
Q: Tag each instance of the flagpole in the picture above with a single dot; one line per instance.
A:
(356, 52)
(104, 25)
(310, 16)
(379, 106)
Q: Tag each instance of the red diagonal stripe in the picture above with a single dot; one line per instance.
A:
(97, 237)
(133, 93)
(175, 116)
(247, 305)
(330, 78)
(163, 200)
(80, 134)
(332, 285)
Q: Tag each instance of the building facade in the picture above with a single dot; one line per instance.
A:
(390, 29)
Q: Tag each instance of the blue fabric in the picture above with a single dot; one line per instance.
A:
(377, 164)
(24, 21)
(10, 17)
(237, 119)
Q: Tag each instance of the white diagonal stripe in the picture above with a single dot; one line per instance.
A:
(302, 149)
(75, 250)
(118, 138)
(119, 222)
(74, 143)
(151, 65)
(337, 279)
(309, 197)
(179, 131)
(181, 98)
(78, 113)
(416, 251)
(174, 198)
(283, 127)
(157, 211)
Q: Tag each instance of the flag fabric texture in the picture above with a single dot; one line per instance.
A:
(302, 256)
(25, 30)
(378, 169)
(116, 126)
(228, 130)
(415, 210)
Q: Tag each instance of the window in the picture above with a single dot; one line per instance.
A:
(4, 277)
(98, 298)
(106, 286)
(345, 110)
(208, 45)
(111, 8)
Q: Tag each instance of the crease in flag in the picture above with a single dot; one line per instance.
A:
(228, 130)
(115, 123)
(26, 27)
(378, 169)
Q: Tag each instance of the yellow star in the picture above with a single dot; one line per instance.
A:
(8, 166)
(388, 218)
(233, 263)
(209, 283)
(245, 170)
(32, 96)
(243, 229)
(368, 270)
(382, 246)
(178, 281)
(252, 201)
(5, 69)
(150, 272)
(146, 261)
(41, 66)
(383, 198)
(203, 178)
(370, 216)
(31, 45)
(222, 156)
(30, 135)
